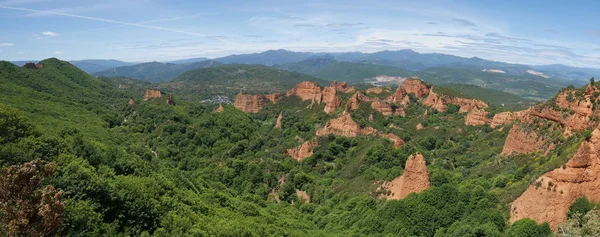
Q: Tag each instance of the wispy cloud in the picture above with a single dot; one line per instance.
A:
(464, 22)
(58, 52)
(49, 33)
(6, 44)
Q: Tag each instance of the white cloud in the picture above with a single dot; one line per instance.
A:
(49, 33)
(58, 52)
(6, 44)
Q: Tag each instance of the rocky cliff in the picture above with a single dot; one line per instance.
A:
(387, 109)
(343, 87)
(354, 101)
(548, 199)
(344, 126)
(307, 91)
(415, 86)
(152, 94)
(399, 97)
(219, 109)
(508, 117)
(332, 102)
(476, 117)
(274, 97)
(303, 151)
(249, 103)
(131, 102)
(521, 141)
(441, 102)
(415, 179)
(278, 122)
(394, 138)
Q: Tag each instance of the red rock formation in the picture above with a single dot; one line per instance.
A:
(521, 141)
(415, 179)
(354, 101)
(278, 123)
(375, 90)
(394, 138)
(476, 117)
(508, 117)
(549, 198)
(131, 102)
(387, 109)
(343, 87)
(307, 91)
(420, 126)
(441, 102)
(344, 126)
(249, 103)
(371, 118)
(152, 94)
(219, 109)
(415, 86)
(274, 97)
(332, 102)
(399, 97)
(303, 197)
(581, 106)
(170, 100)
(303, 151)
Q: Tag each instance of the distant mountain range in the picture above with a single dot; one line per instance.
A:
(407, 60)
(155, 71)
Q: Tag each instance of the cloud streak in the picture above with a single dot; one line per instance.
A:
(6, 44)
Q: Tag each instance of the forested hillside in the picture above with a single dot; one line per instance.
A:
(91, 156)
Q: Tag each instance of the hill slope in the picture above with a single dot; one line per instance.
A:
(155, 71)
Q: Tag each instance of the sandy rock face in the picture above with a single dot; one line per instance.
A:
(415, 86)
(387, 109)
(332, 102)
(303, 151)
(420, 126)
(394, 138)
(131, 102)
(520, 141)
(219, 109)
(508, 117)
(559, 188)
(274, 97)
(581, 106)
(415, 179)
(249, 103)
(278, 122)
(307, 91)
(354, 101)
(344, 126)
(476, 117)
(399, 97)
(441, 102)
(343, 87)
(152, 94)
(375, 90)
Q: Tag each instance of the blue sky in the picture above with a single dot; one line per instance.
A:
(530, 32)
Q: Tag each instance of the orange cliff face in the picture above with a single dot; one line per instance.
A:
(521, 141)
(441, 102)
(332, 102)
(355, 100)
(343, 87)
(508, 117)
(278, 122)
(249, 103)
(399, 97)
(477, 117)
(274, 97)
(549, 198)
(415, 179)
(346, 127)
(303, 151)
(219, 109)
(152, 94)
(415, 86)
(307, 91)
(387, 109)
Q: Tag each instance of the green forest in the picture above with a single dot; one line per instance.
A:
(78, 160)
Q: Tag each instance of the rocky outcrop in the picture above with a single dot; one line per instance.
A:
(415, 179)
(387, 109)
(548, 199)
(302, 196)
(476, 117)
(355, 100)
(332, 102)
(152, 94)
(394, 138)
(508, 117)
(568, 100)
(521, 141)
(307, 91)
(344, 126)
(278, 122)
(303, 151)
(375, 90)
(420, 126)
(441, 102)
(399, 97)
(131, 102)
(249, 103)
(33, 66)
(343, 87)
(219, 109)
(274, 97)
(415, 86)
(170, 100)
